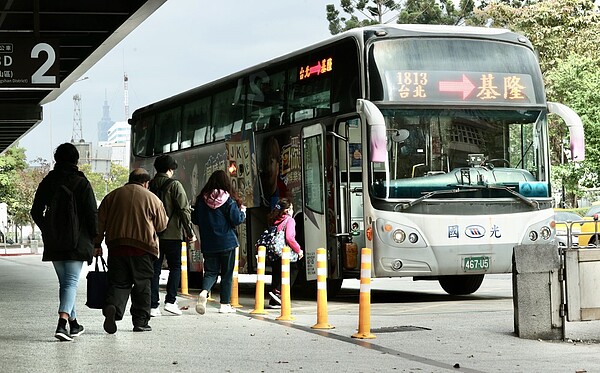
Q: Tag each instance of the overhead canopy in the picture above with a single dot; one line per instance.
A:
(46, 45)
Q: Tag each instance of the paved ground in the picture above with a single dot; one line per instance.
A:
(420, 330)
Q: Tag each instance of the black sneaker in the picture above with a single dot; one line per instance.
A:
(110, 326)
(61, 331)
(273, 304)
(142, 328)
(275, 298)
(75, 329)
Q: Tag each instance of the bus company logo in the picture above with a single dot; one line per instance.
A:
(453, 231)
(475, 231)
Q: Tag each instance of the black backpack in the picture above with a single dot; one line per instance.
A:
(160, 192)
(62, 219)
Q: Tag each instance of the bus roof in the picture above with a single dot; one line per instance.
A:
(361, 34)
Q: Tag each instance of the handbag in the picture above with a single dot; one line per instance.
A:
(97, 285)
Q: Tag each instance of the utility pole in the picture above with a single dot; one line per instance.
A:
(77, 135)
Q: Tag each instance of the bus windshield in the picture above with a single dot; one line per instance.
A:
(439, 149)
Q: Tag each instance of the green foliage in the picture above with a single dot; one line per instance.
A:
(104, 184)
(371, 12)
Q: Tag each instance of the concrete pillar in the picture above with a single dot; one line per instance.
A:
(537, 292)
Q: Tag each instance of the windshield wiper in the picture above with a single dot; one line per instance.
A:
(404, 206)
(462, 189)
(519, 196)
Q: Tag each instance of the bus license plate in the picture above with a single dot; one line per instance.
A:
(476, 263)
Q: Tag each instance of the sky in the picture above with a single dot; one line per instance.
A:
(184, 44)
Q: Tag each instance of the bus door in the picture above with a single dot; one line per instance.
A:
(312, 138)
(348, 192)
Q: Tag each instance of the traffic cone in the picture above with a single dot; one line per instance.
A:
(235, 300)
(364, 311)
(184, 268)
(322, 322)
(259, 298)
(286, 299)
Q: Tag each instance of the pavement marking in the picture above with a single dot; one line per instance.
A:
(363, 343)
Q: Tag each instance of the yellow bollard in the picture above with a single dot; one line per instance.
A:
(322, 322)
(184, 268)
(235, 300)
(364, 312)
(286, 299)
(259, 298)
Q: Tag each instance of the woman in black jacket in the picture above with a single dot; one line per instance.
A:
(68, 255)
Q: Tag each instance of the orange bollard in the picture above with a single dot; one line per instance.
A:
(286, 299)
(322, 322)
(184, 268)
(259, 298)
(235, 300)
(364, 312)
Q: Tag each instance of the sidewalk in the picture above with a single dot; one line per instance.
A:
(471, 335)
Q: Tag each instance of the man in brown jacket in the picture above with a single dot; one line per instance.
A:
(129, 220)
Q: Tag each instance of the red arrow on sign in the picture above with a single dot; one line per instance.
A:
(465, 86)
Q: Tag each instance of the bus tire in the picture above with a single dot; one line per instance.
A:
(460, 284)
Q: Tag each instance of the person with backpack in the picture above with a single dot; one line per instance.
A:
(129, 220)
(281, 218)
(217, 212)
(179, 229)
(64, 208)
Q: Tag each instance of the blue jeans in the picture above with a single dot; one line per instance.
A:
(170, 249)
(219, 263)
(68, 272)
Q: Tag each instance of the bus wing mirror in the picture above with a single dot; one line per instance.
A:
(576, 134)
(376, 126)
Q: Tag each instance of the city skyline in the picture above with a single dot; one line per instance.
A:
(162, 58)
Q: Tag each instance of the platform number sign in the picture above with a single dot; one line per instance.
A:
(28, 63)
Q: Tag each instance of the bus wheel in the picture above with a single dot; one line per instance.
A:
(461, 285)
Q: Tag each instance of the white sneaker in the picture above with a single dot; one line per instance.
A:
(226, 308)
(155, 312)
(201, 304)
(173, 308)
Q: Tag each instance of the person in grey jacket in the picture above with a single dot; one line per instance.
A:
(67, 262)
(179, 229)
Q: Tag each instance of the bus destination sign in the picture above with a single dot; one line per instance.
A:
(321, 67)
(28, 63)
(445, 86)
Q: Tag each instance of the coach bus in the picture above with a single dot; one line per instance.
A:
(427, 144)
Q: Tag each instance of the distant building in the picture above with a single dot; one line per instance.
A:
(119, 135)
(105, 123)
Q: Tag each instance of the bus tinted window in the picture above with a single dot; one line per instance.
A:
(168, 129)
(143, 134)
(196, 122)
(264, 99)
(227, 113)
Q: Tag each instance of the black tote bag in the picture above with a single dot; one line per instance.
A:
(97, 285)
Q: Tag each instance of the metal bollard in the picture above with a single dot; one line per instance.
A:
(235, 300)
(259, 298)
(286, 299)
(364, 311)
(322, 322)
(184, 268)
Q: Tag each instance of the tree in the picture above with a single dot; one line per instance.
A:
(564, 32)
(363, 13)
(27, 182)
(104, 184)
(372, 12)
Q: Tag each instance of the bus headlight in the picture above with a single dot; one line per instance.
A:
(399, 236)
(413, 238)
(545, 232)
(533, 235)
